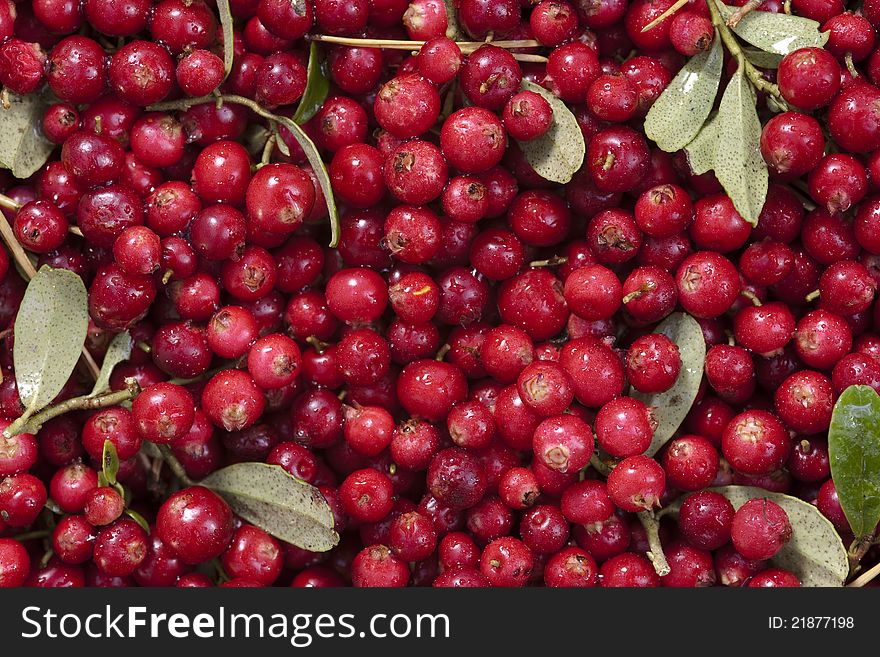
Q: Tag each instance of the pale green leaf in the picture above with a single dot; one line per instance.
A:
(854, 451)
(701, 151)
(317, 87)
(815, 553)
(50, 329)
(762, 58)
(118, 351)
(23, 149)
(226, 25)
(284, 506)
(739, 165)
(776, 33)
(671, 407)
(677, 115)
(559, 153)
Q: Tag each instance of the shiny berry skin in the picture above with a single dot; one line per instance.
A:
(141, 72)
(653, 363)
(115, 424)
(274, 361)
(415, 172)
(792, 144)
(628, 570)
(613, 98)
(196, 523)
(221, 173)
(593, 292)
(17, 453)
(708, 284)
(415, 297)
(596, 370)
(439, 59)
(163, 412)
(70, 486)
(506, 562)
(40, 226)
(22, 497)
(357, 295)
(822, 339)
(636, 483)
(232, 400)
(518, 488)
(377, 566)
(412, 537)
(93, 159)
(356, 175)
(755, 442)
(774, 578)
(690, 462)
(428, 389)
(21, 66)
(103, 506)
(279, 197)
(465, 199)
(563, 443)
(120, 548)
(527, 115)
(407, 105)
(472, 139)
(705, 519)
(764, 329)
(838, 182)
(412, 234)
(760, 528)
(571, 69)
(456, 478)
(854, 120)
(617, 159)
(624, 427)
(804, 401)
(253, 554)
(846, 287)
(571, 567)
(545, 387)
(809, 78)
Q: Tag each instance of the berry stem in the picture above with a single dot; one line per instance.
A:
(175, 465)
(30, 536)
(754, 75)
(741, 13)
(555, 261)
(751, 296)
(32, 424)
(812, 296)
(655, 554)
(403, 44)
(666, 14)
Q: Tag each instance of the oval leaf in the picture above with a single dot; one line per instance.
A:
(761, 58)
(23, 149)
(739, 166)
(118, 351)
(701, 151)
(559, 153)
(677, 115)
(815, 552)
(109, 463)
(286, 507)
(50, 329)
(776, 33)
(672, 406)
(317, 87)
(854, 451)
(226, 25)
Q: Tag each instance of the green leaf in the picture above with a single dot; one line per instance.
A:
(118, 351)
(559, 153)
(226, 25)
(139, 519)
(23, 149)
(761, 58)
(854, 451)
(815, 552)
(49, 333)
(672, 406)
(109, 463)
(776, 33)
(286, 507)
(317, 86)
(677, 115)
(701, 151)
(739, 165)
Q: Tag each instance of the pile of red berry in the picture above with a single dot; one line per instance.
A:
(463, 376)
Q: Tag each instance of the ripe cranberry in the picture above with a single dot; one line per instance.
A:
(221, 173)
(103, 506)
(545, 387)
(472, 139)
(853, 121)
(456, 478)
(571, 69)
(93, 159)
(804, 401)
(279, 197)
(708, 284)
(71, 485)
(280, 79)
(254, 555)
(163, 412)
(439, 59)
(428, 389)
(846, 287)
(534, 302)
(407, 105)
(141, 72)
(355, 70)
(690, 462)
(755, 442)
(717, 225)
(838, 182)
(563, 443)
(624, 427)
(416, 172)
(357, 295)
(705, 519)
(377, 566)
(21, 66)
(809, 78)
(506, 562)
(596, 370)
(196, 523)
(617, 159)
(653, 363)
(22, 497)
(636, 483)
(232, 400)
(628, 570)
(527, 116)
(760, 528)
(822, 339)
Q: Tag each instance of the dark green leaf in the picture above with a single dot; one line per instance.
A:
(776, 33)
(677, 115)
(739, 165)
(854, 450)
(815, 552)
(672, 406)
(139, 519)
(49, 333)
(559, 153)
(118, 351)
(286, 507)
(23, 149)
(226, 25)
(109, 462)
(317, 86)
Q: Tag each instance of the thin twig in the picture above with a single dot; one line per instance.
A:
(175, 465)
(866, 576)
(652, 529)
(403, 44)
(666, 14)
